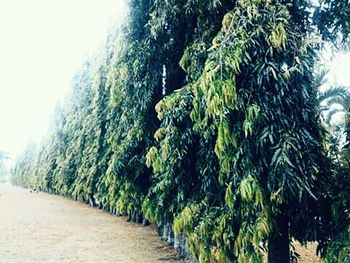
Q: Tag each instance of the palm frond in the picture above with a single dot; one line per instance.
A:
(338, 91)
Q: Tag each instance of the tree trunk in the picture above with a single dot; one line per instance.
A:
(134, 216)
(145, 222)
(278, 246)
(165, 232)
(177, 241)
(184, 250)
(91, 202)
(129, 216)
(160, 229)
(170, 239)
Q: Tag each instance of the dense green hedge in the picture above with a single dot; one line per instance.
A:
(203, 116)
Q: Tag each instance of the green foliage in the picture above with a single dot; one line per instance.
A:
(332, 18)
(203, 115)
(266, 151)
(24, 167)
(337, 250)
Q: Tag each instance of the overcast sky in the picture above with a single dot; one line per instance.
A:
(340, 69)
(42, 43)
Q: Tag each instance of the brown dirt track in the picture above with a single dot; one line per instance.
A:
(38, 227)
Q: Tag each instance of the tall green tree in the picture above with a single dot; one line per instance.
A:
(146, 68)
(268, 152)
(23, 170)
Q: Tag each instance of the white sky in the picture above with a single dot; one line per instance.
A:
(340, 69)
(42, 44)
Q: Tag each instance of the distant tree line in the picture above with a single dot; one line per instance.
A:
(204, 117)
(4, 169)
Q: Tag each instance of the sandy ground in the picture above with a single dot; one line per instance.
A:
(38, 227)
(307, 253)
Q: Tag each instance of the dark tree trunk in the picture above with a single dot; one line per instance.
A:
(165, 232)
(145, 222)
(170, 239)
(278, 246)
(129, 217)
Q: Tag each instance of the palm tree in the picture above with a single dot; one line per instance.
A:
(339, 151)
(337, 96)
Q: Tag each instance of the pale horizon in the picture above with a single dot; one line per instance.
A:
(43, 44)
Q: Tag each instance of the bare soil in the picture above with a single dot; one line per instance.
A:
(307, 253)
(38, 227)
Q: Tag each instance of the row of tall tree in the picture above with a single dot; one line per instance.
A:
(203, 117)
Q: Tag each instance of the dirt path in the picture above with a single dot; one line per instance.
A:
(307, 253)
(37, 227)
